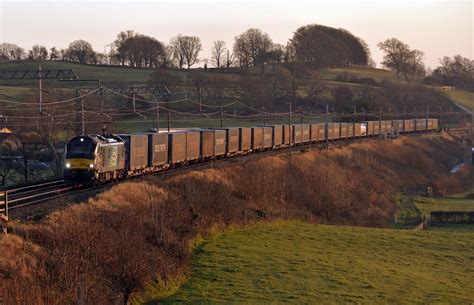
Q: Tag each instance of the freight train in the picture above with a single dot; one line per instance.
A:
(96, 159)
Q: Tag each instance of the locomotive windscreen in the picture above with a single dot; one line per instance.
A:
(80, 147)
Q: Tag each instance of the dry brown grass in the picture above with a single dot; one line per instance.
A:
(104, 251)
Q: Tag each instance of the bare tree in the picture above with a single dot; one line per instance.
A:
(229, 59)
(7, 161)
(38, 52)
(218, 53)
(186, 50)
(398, 57)
(10, 51)
(53, 53)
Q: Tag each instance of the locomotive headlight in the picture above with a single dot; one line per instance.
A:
(91, 165)
(68, 165)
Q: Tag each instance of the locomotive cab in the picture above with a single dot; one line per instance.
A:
(80, 159)
(94, 159)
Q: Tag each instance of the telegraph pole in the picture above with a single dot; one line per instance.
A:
(301, 115)
(40, 83)
(82, 116)
(222, 116)
(158, 117)
(327, 125)
(290, 132)
(264, 116)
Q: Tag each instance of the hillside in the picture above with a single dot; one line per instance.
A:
(300, 263)
(126, 242)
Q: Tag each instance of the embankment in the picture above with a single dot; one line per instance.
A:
(105, 251)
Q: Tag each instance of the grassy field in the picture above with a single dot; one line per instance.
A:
(463, 98)
(304, 263)
(426, 205)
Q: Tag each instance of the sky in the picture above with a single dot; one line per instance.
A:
(436, 27)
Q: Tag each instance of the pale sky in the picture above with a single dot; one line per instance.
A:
(436, 27)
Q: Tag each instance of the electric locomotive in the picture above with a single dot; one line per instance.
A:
(94, 159)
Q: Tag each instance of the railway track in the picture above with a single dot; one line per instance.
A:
(26, 196)
(15, 198)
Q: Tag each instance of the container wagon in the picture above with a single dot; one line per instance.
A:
(360, 129)
(177, 148)
(343, 130)
(267, 137)
(232, 141)
(322, 132)
(305, 133)
(286, 135)
(420, 125)
(369, 128)
(257, 138)
(136, 152)
(397, 126)
(296, 134)
(376, 128)
(278, 136)
(245, 139)
(207, 144)
(350, 130)
(314, 132)
(193, 146)
(337, 131)
(158, 150)
(408, 125)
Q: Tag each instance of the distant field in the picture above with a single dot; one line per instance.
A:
(426, 205)
(360, 72)
(303, 263)
(463, 98)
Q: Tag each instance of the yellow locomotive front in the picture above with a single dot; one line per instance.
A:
(80, 162)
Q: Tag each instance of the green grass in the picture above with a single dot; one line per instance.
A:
(302, 263)
(426, 205)
(463, 98)
(408, 215)
(360, 72)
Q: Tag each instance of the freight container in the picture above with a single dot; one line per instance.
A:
(157, 149)
(330, 131)
(207, 143)
(397, 126)
(257, 138)
(245, 139)
(350, 130)
(267, 137)
(435, 124)
(286, 134)
(177, 147)
(376, 127)
(337, 131)
(343, 130)
(420, 124)
(193, 145)
(360, 130)
(409, 125)
(314, 132)
(136, 151)
(232, 140)
(277, 135)
(383, 127)
(305, 133)
(322, 132)
(219, 143)
(389, 126)
(370, 128)
(296, 133)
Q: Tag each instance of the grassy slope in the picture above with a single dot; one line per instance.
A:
(463, 98)
(304, 263)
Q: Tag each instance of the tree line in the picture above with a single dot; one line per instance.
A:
(317, 45)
